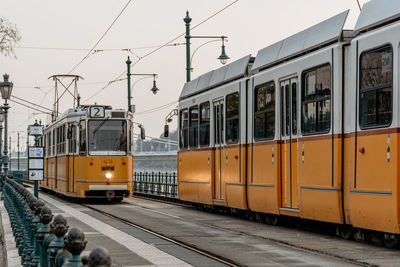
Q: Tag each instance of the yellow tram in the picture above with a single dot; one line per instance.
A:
(88, 153)
(308, 128)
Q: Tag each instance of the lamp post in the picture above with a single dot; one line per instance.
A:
(5, 89)
(223, 57)
(154, 89)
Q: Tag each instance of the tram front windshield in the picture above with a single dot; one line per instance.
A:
(107, 137)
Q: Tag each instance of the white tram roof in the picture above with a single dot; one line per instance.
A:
(216, 77)
(377, 12)
(321, 34)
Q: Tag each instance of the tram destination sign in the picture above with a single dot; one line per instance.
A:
(36, 163)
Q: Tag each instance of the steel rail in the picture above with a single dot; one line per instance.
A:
(178, 202)
(174, 241)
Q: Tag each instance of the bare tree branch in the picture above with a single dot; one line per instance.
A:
(9, 37)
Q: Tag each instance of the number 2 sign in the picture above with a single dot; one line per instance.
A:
(96, 112)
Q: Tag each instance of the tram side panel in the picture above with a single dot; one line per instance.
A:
(234, 150)
(263, 162)
(194, 179)
(61, 174)
(374, 184)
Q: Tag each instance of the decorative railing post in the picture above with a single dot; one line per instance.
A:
(75, 243)
(42, 232)
(35, 226)
(31, 248)
(59, 228)
(98, 257)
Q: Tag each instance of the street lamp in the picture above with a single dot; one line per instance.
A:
(1, 131)
(154, 89)
(5, 89)
(223, 57)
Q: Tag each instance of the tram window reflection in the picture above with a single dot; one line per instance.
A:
(376, 86)
(232, 118)
(264, 111)
(107, 137)
(316, 100)
(184, 124)
(194, 127)
(204, 124)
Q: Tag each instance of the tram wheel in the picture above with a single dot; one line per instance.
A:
(360, 235)
(345, 231)
(389, 240)
(251, 215)
(259, 218)
(273, 219)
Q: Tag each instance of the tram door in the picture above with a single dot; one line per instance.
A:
(289, 144)
(218, 145)
(71, 160)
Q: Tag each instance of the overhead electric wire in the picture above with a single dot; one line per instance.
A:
(44, 112)
(32, 103)
(101, 38)
(97, 50)
(160, 47)
(155, 109)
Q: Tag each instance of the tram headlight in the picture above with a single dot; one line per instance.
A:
(108, 175)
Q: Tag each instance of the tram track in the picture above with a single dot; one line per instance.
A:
(167, 200)
(204, 252)
(192, 248)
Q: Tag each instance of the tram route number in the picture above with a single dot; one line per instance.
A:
(96, 112)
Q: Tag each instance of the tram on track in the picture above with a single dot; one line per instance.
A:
(88, 153)
(308, 128)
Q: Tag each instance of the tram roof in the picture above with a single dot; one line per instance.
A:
(377, 12)
(321, 34)
(216, 77)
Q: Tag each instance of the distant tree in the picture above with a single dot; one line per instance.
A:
(9, 37)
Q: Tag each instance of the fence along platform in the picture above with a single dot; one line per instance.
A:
(156, 183)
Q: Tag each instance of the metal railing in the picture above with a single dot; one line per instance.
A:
(42, 240)
(156, 183)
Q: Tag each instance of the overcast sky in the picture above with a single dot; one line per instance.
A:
(249, 24)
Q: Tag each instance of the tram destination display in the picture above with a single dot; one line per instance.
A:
(36, 164)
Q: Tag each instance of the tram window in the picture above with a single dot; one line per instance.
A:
(194, 126)
(316, 100)
(82, 138)
(205, 124)
(294, 108)
(48, 144)
(107, 137)
(232, 118)
(376, 86)
(184, 124)
(264, 111)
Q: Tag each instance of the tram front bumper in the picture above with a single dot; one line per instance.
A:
(107, 191)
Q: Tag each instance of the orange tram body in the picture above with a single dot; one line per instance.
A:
(88, 153)
(308, 128)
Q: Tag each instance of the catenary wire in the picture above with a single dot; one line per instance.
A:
(21, 99)
(160, 47)
(101, 38)
(19, 103)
